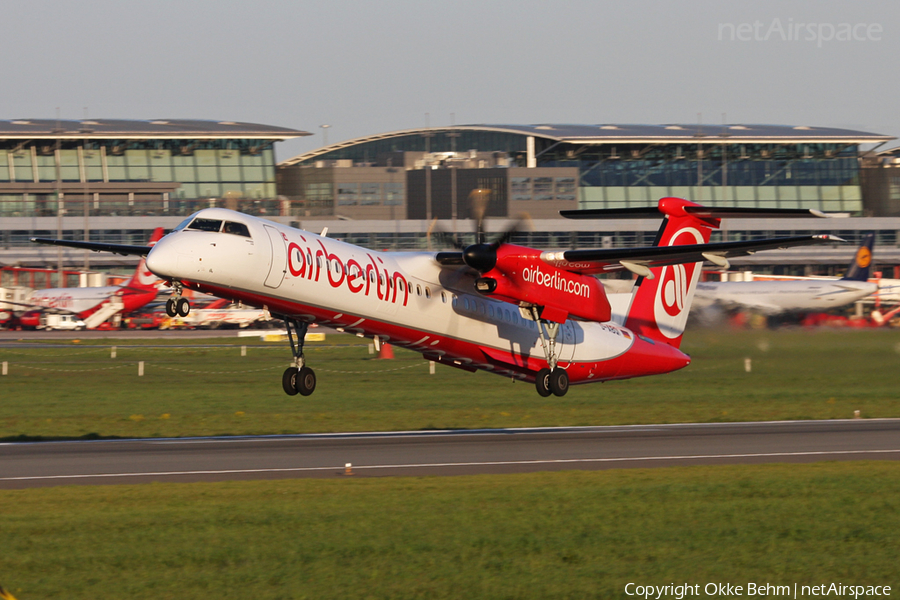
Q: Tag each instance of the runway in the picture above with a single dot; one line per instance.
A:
(440, 453)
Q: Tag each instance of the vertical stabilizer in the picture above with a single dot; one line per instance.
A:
(861, 266)
(660, 306)
(143, 278)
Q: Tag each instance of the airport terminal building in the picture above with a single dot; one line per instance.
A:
(545, 168)
(116, 180)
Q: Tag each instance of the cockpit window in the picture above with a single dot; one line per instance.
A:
(205, 224)
(183, 224)
(236, 228)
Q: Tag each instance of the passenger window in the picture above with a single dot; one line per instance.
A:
(418, 290)
(400, 284)
(236, 229)
(428, 293)
(443, 297)
(199, 224)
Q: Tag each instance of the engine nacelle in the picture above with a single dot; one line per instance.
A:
(521, 276)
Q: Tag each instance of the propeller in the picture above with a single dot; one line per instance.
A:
(481, 256)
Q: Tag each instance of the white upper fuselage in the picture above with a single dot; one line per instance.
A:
(405, 297)
(774, 297)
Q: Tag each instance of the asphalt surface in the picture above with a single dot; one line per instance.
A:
(440, 453)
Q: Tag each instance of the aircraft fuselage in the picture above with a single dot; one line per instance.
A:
(406, 299)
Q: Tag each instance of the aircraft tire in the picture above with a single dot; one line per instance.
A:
(559, 382)
(170, 307)
(287, 381)
(542, 382)
(183, 307)
(305, 383)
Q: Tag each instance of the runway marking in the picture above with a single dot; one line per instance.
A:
(458, 432)
(340, 468)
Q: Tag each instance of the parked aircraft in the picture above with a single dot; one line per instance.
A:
(541, 317)
(94, 305)
(774, 297)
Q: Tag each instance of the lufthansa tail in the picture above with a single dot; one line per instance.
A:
(861, 266)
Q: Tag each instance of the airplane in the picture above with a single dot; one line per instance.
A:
(793, 295)
(540, 317)
(95, 305)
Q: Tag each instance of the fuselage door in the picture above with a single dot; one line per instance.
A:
(278, 261)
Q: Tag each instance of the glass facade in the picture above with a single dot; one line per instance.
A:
(613, 175)
(822, 176)
(227, 172)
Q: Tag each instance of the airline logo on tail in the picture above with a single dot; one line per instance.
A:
(863, 257)
(675, 290)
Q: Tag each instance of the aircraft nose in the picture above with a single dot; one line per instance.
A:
(163, 259)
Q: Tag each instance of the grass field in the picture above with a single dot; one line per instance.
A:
(76, 389)
(542, 536)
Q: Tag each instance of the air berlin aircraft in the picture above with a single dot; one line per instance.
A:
(86, 301)
(541, 317)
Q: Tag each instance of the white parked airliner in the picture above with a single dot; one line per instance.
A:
(774, 297)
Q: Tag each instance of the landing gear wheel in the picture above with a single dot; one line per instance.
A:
(542, 382)
(183, 307)
(305, 382)
(287, 381)
(559, 382)
(170, 307)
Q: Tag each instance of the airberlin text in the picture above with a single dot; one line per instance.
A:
(370, 278)
(554, 281)
(683, 590)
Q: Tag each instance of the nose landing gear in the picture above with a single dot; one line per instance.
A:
(176, 305)
(298, 379)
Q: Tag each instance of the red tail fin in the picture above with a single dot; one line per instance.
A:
(660, 306)
(143, 278)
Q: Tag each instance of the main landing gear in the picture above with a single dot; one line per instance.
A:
(299, 378)
(177, 306)
(554, 380)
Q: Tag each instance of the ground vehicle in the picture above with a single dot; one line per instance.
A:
(64, 322)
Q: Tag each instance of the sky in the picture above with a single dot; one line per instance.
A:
(366, 67)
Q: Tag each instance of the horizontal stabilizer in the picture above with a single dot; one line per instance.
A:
(702, 212)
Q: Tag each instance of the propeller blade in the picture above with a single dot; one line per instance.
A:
(479, 199)
(516, 227)
(444, 237)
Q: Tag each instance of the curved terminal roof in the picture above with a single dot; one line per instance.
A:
(131, 129)
(638, 134)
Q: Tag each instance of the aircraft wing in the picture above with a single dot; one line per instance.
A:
(123, 249)
(640, 260)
